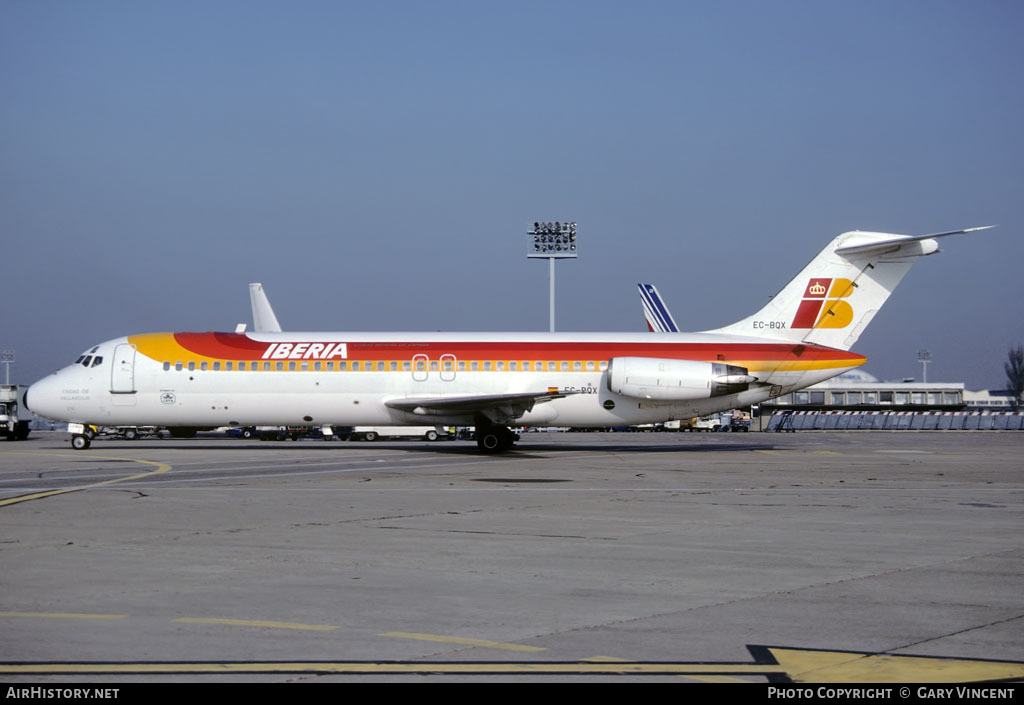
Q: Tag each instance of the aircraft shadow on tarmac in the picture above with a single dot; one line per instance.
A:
(456, 448)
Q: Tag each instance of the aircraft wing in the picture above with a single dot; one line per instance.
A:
(499, 408)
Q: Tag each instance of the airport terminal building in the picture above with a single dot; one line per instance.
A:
(857, 400)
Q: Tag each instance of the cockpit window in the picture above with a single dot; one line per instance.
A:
(79, 360)
(87, 361)
(97, 360)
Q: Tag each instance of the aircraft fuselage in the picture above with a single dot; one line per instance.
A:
(219, 379)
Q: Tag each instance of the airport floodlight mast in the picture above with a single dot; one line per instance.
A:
(924, 357)
(7, 357)
(552, 241)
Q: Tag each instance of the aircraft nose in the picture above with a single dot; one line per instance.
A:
(41, 397)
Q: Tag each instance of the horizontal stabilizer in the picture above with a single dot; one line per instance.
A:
(881, 246)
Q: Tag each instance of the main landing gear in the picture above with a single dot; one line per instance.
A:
(495, 439)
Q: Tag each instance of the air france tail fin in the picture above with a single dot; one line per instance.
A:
(832, 300)
(659, 318)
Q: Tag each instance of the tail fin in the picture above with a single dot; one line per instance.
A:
(263, 318)
(659, 318)
(832, 300)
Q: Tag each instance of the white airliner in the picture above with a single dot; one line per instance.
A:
(186, 381)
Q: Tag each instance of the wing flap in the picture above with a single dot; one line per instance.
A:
(499, 408)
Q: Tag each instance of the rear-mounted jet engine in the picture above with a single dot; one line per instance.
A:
(675, 380)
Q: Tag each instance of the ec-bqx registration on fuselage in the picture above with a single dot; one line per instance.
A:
(488, 380)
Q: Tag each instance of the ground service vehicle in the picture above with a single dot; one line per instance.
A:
(13, 426)
(373, 433)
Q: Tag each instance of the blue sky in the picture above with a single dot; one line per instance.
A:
(376, 165)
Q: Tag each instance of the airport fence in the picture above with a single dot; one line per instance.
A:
(895, 421)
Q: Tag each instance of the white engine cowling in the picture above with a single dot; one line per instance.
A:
(675, 380)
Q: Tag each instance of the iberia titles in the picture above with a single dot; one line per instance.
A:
(306, 351)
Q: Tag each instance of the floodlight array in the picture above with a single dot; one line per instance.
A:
(553, 239)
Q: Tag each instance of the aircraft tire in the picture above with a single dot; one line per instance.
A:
(80, 441)
(495, 439)
(488, 441)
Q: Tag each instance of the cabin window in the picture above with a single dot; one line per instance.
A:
(394, 366)
(603, 366)
(462, 365)
(229, 365)
(590, 365)
(380, 366)
(500, 365)
(551, 366)
(420, 366)
(167, 366)
(475, 365)
(513, 365)
(487, 365)
(433, 365)
(565, 366)
(304, 366)
(448, 365)
(406, 365)
(178, 365)
(291, 365)
(317, 365)
(342, 365)
(280, 366)
(191, 365)
(577, 366)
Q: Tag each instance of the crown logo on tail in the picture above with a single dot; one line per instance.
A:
(814, 312)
